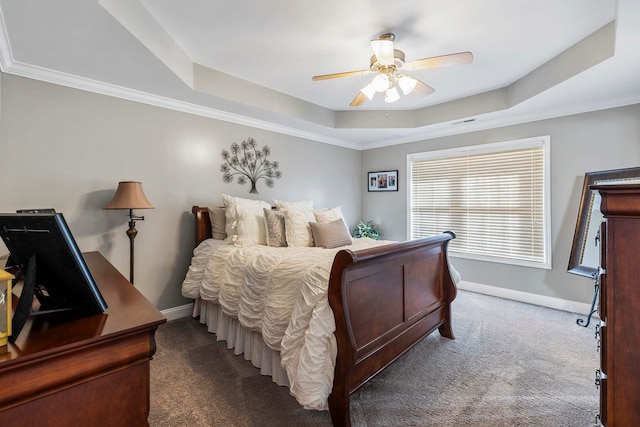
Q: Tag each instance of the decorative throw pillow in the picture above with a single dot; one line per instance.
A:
(325, 216)
(250, 228)
(298, 205)
(274, 221)
(218, 223)
(330, 235)
(230, 203)
(296, 224)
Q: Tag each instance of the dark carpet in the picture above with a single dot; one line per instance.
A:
(511, 364)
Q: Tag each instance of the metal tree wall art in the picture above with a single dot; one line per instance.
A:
(247, 162)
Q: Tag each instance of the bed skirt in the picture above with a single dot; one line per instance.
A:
(241, 340)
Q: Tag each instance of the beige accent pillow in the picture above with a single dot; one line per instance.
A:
(296, 224)
(330, 235)
(218, 223)
(230, 203)
(274, 221)
(298, 205)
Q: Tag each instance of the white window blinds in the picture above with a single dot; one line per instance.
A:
(493, 197)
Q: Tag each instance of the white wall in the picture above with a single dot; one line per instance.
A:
(67, 149)
(604, 140)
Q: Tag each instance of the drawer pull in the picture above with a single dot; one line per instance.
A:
(599, 377)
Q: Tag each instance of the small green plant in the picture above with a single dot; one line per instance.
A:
(366, 229)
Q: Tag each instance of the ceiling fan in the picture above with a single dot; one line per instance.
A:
(389, 64)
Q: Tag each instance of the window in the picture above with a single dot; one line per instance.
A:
(494, 197)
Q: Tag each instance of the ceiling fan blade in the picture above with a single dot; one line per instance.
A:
(422, 89)
(440, 61)
(383, 49)
(358, 100)
(339, 75)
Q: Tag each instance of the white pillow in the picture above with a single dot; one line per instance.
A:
(251, 226)
(297, 230)
(326, 216)
(230, 202)
(298, 205)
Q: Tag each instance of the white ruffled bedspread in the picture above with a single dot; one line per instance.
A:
(280, 293)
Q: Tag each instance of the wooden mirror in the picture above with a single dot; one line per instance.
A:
(585, 258)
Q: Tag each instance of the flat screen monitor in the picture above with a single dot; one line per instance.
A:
(43, 248)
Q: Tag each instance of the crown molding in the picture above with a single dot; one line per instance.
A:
(482, 121)
(10, 66)
(64, 79)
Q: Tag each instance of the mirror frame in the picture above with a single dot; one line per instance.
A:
(584, 216)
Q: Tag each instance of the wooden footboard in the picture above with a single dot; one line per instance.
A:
(385, 300)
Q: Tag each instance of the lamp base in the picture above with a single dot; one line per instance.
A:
(132, 233)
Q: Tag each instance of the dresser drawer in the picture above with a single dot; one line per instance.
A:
(602, 271)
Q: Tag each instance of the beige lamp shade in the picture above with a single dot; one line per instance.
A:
(129, 195)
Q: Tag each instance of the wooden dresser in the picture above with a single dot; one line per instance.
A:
(83, 371)
(619, 329)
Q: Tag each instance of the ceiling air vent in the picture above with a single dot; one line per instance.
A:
(460, 122)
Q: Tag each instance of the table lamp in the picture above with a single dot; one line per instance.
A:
(129, 195)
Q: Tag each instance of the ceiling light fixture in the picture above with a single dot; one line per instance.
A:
(406, 83)
(391, 95)
(383, 50)
(368, 91)
(380, 82)
(386, 62)
(384, 82)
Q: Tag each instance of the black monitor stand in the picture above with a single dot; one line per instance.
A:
(23, 309)
(25, 302)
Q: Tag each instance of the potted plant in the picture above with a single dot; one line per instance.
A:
(366, 229)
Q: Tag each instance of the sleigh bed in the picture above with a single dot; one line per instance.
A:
(382, 298)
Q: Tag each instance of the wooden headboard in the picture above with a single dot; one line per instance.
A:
(203, 223)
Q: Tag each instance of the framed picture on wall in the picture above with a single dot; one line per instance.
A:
(383, 181)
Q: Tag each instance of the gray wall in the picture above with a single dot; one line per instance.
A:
(67, 149)
(604, 140)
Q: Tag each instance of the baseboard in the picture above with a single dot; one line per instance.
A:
(544, 301)
(527, 297)
(178, 312)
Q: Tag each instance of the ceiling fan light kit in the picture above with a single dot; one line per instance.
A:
(380, 82)
(387, 61)
(407, 83)
(383, 50)
(368, 91)
(391, 95)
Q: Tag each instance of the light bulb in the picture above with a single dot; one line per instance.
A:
(407, 83)
(368, 91)
(380, 82)
(392, 95)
